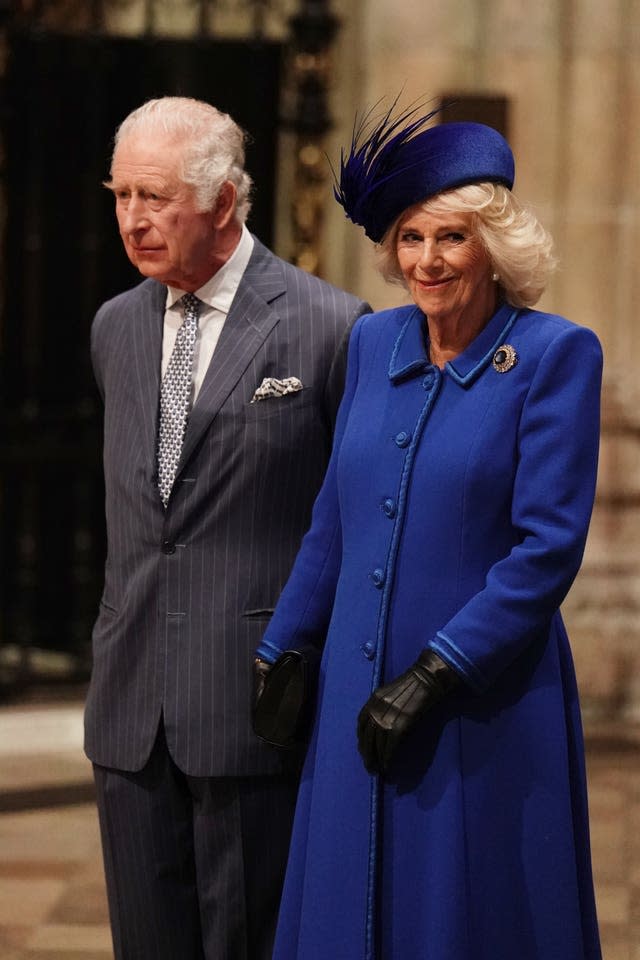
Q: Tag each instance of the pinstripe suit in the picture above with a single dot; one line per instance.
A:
(188, 590)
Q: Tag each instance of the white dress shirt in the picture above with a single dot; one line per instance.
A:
(216, 295)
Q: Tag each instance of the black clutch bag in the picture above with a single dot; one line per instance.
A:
(283, 712)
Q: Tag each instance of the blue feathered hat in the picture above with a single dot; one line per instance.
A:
(396, 163)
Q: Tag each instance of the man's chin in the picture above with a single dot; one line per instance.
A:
(150, 268)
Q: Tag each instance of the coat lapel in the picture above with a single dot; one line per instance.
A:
(467, 366)
(410, 356)
(249, 322)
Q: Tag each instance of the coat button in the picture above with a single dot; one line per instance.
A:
(427, 380)
(378, 577)
(369, 649)
(168, 546)
(403, 439)
(389, 508)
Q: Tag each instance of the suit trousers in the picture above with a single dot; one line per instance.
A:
(194, 865)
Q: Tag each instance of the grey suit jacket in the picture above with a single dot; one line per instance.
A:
(189, 590)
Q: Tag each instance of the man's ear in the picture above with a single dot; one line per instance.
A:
(225, 205)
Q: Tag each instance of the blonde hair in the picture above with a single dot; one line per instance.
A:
(518, 246)
(213, 146)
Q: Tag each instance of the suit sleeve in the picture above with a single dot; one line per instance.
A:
(96, 350)
(304, 609)
(553, 493)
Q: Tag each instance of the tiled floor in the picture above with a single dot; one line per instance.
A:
(52, 902)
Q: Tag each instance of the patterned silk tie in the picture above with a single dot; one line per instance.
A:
(175, 394)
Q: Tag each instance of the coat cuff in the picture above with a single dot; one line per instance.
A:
(451, 654)
(268, 651)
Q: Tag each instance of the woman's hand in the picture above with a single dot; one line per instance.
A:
(392, 710)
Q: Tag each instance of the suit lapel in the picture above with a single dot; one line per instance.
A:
(249, 322)
(146, 357)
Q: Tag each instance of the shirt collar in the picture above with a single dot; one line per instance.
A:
(411, 356)
(220, 289)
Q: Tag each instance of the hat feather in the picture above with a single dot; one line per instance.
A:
(372, 159)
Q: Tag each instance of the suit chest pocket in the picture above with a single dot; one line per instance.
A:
(290, 424)
(288, 405)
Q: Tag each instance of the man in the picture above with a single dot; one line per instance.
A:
(203, 523)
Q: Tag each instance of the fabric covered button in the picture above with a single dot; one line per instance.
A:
(403, 439)
(378, 577)
(389, 508)
(369, 649)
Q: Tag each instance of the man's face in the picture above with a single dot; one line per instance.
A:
(164, 234)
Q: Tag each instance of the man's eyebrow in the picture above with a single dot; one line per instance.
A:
(115, 185)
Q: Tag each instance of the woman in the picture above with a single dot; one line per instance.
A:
(442, 812)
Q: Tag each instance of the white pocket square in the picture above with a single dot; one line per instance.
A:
(272, 387)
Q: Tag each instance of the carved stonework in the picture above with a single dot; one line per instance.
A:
(603, 608)
(313, 30)
(168, 18)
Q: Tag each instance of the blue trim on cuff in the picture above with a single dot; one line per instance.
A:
(268, 651)
(455, 657)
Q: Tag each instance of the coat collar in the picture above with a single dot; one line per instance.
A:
(410, 355)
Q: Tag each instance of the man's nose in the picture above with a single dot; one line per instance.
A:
(135, 217)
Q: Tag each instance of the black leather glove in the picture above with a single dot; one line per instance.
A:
(260, 670)
(392, 710)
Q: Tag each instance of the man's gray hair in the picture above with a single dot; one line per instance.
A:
(213, 146)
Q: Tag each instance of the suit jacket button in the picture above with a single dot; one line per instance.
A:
(378, 578)
(403, 439)
(168, 546)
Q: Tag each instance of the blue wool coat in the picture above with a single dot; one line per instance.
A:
(453, 516)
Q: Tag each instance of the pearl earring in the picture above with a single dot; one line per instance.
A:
(495, 277)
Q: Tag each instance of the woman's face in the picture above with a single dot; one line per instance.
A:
(445, 266)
